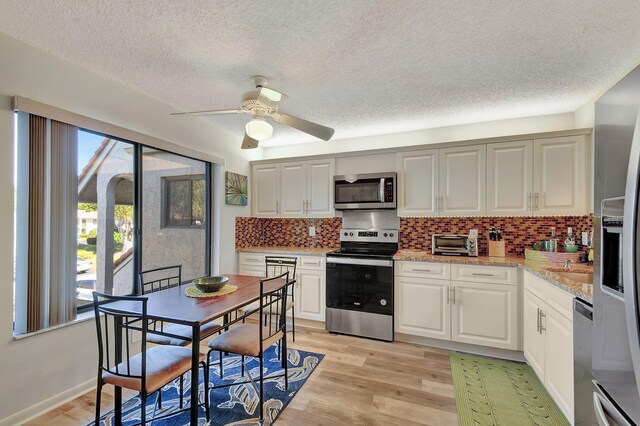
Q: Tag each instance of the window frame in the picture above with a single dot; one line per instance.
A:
(165, 202)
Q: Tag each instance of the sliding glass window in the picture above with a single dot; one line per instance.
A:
(77, 196)
(174, 212)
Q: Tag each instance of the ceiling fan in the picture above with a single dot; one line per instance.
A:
(262, 103)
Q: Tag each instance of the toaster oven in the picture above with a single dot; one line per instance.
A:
(454, 245)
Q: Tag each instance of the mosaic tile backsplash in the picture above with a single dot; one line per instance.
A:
(415, 233)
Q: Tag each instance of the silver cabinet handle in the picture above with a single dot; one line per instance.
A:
(480, 274)
(304, 207)
(542, 315)
(454, 294)
(537, 201)
(422, 270)
(538, 320)
(308, 206)
(529, 202)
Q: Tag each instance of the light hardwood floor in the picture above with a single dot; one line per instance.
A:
(359, 382)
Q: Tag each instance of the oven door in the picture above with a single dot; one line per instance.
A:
(357, 284)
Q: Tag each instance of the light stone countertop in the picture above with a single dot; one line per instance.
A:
(540, 269)
(287, 250)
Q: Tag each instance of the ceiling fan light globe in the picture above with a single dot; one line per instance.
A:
(259, 129)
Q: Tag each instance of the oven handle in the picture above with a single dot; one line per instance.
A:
(365, 262)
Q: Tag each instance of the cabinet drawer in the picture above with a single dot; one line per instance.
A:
(256, 271)
(440, 271)
(251, 259)
(485, 274)
(553, 296)
(311, 262)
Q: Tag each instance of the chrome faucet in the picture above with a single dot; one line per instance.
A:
(567, 264)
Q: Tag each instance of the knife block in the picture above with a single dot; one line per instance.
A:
(496, 248)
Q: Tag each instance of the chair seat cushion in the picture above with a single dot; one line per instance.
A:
(164, 364)
(244, 339)
(255, 306)
(181, 330)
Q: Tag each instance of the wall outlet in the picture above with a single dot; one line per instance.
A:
(312, 231)
(473, 233)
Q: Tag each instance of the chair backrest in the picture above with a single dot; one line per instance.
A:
(121, 316)
(273, 305)
(277, 265)
(157, 279)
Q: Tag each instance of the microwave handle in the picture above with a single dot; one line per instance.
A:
(381, 190)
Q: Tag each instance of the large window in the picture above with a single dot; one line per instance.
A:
(92, 211)
(173, 213)
(183, 201)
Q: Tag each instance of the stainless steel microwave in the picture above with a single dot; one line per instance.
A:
(454, 245)
(365, 191)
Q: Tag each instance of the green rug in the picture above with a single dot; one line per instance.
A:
(495, 392)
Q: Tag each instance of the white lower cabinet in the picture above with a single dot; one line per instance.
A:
(309, 289)
(485, 314)
(431, 317)
(480, 313)
(310, 300)
(548, 339)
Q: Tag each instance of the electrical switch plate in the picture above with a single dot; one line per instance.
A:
(473, 233)
(312, 231)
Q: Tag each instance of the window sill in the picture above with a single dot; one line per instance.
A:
(82, 317)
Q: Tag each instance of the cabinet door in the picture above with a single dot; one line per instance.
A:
(292, 189)
(561, 185)
(484, 314)
(462, 180)
(534, 341)
(320, 187)
(558, 366)
(510, 178)
(417, 183)
(265, 179)
(309, 290)
(421, 307)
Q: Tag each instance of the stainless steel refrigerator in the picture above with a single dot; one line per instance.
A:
(616, 345)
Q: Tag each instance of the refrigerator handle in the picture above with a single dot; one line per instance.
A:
(630, 259)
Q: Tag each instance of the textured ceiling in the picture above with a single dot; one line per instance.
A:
(362, 67)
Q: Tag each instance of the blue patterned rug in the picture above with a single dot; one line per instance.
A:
(234, 405)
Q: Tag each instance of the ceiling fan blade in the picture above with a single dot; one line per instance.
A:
(272, 95)
(248, 142)
(210, 112)
(323, 132)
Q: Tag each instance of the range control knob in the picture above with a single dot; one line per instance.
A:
(385, 234)
(351, 234)
(346, 233)
(391, 234)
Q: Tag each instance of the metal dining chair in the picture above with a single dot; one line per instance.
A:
(147, 371)
(158, 279)
(252, 340)
(276, 265)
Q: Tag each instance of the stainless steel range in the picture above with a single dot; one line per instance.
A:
(360, 283)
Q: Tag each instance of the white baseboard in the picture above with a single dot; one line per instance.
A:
(48, 404)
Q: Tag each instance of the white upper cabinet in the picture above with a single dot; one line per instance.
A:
(462, 180)
(510, 178)
(561, 184)
(320, 187)
(265, 185)
(417, 183)
(293, 189)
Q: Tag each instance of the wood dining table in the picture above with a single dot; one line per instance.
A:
(172, 305)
